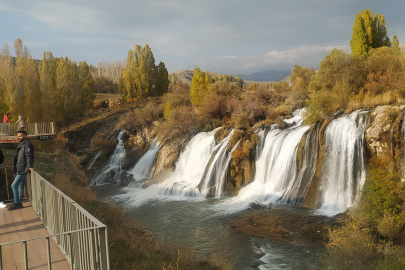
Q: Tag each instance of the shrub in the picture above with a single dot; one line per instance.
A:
(385, 72)
(106, 146)
(382, 192)
(226, 89)
(390, 226)
(182, 121)
(350, 247)
(212, 106)
(140, 117)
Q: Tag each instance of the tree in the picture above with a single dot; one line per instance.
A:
(395, 45)
(141, 77)
(385, 72)
(162, 80)
(47, 74)
(200, 84)
(359, 40)
(86, 81)
(368, 32)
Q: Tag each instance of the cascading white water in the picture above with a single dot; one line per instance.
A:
(190, 166)
(141, 170)
(276, 167)
(111, 173)
(259, 148)
(344, 167)
(213, 180)
(93, 160)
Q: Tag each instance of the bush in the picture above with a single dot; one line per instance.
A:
(182, 121)
(104, 145)
(140, 117)
(350, 247)
(385, 73)
(390, 226)
(382, 193)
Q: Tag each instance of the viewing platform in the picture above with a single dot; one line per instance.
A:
(41, 131)
(51, 231)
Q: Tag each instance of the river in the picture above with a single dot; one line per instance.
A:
(203, 225)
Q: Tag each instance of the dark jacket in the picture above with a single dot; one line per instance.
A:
(24, 157)
(1, 157)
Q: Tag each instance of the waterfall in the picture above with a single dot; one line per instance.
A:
(93, 160)
(143, 167)
(308, 168)
(259, 148)
(190, 166)
(276, 178)
(344, 167)
(111, 173)
(213, 180)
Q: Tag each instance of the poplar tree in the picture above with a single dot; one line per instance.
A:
(200, 84)
(141, 77)
(368, 32)
(47, 73)
(395, 45)
(162, 80)
(86, 81)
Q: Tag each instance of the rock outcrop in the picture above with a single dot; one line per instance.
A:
(383, 136)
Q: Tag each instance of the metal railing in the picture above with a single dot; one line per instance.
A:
(80, 236)
(36, 129)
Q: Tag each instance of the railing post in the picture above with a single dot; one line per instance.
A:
(1, 260)
(29, 188)
(25, 255)
(48, 249)
(71, 250)
(8, 191)
(105, 264)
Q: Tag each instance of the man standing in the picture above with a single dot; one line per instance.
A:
(20, 122)
(23, 164)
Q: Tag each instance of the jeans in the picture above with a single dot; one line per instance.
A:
(18, 188)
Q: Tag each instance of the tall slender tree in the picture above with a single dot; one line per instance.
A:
(368, 32)
(200, 83)
(141, 77)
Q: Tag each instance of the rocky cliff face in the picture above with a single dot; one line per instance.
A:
(384, 134)
(168, 155)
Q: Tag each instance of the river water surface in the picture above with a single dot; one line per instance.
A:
(203, 225)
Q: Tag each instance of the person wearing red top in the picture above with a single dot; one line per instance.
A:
(5, 118)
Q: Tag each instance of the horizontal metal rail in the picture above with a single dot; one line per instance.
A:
(32, 129)
(87, 249)
(46, 236)
(80, 236)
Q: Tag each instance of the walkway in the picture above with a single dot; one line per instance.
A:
(42, 131)
(25, 224)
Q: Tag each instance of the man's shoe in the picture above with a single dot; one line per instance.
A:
(15, 206)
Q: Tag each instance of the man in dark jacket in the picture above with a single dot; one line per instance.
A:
(23, 164)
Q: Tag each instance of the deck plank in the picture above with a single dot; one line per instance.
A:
(25, 224)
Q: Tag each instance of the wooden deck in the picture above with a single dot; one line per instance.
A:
(24, 224)
(41, 131)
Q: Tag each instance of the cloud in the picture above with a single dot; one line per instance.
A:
(246, 35)
(304, 55)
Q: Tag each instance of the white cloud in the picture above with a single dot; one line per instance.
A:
(303, 55)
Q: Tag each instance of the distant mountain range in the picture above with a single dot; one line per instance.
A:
(186, 75)
(267, 75)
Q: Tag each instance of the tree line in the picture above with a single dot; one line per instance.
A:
(53, 89)
(59, 89)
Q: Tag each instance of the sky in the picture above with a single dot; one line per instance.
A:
(237, 37)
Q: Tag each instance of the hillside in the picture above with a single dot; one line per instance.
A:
(186, 75)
